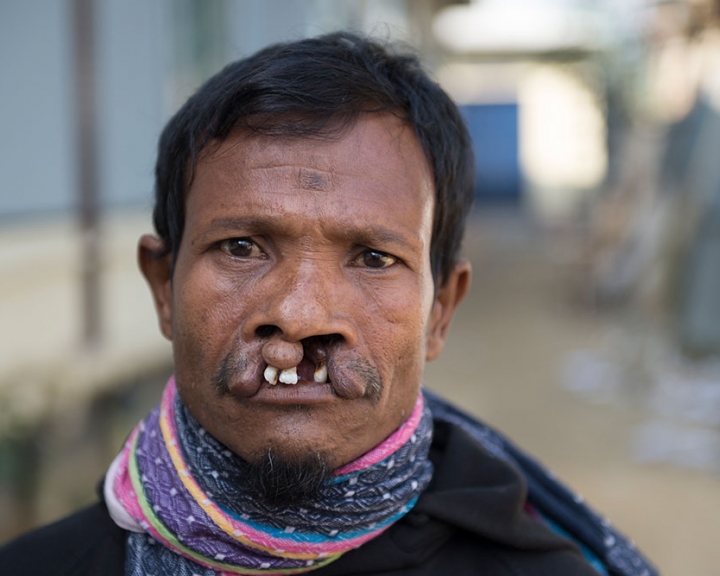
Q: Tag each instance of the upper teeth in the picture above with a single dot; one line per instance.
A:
(321, 373)
(290, 375)
(271, 374)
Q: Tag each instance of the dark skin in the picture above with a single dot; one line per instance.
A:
(299, 253)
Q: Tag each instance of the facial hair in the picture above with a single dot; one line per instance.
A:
(286, 481)
(230, 366)
(234, 364)
(282, 480)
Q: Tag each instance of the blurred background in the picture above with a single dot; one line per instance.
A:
(592, 333)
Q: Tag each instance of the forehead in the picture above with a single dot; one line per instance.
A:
(374, 138)
(376, 162)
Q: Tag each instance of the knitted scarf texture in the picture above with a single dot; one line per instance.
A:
(172, 488)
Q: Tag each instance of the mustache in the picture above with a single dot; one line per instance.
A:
(370, 376)
(235, 364)
(230, 367)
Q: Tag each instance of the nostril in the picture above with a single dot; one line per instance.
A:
(318, 346)
(330, 339)
(266, 330)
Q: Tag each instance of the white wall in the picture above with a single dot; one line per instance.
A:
(37, 108)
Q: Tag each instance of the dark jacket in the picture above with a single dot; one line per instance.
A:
(470, 521)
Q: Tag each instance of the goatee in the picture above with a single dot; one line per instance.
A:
(286, 481)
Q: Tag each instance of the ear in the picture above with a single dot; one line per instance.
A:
(447, 299)
(157, 269)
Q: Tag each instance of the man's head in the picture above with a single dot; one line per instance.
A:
(317, 88)
(310, 205)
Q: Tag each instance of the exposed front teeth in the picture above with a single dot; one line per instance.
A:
(321, 374)
(289, 376)
(271, 375)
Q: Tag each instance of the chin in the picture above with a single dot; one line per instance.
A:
(296, 444)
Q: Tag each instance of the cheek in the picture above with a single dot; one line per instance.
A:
(206, 318)
(404, 309)
(394, 328)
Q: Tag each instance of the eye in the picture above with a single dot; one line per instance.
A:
(374, 259)
(241, 248)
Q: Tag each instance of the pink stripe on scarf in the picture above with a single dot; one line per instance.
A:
(125, 492)
(389, 446)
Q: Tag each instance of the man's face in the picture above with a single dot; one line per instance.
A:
(300, 254)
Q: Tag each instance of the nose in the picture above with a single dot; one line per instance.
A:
(303, 299)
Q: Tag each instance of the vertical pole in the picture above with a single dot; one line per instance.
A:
(87, 144)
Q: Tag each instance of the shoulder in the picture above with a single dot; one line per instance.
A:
(467, 554)
(419, 545)
(83, 544)
(482, 499)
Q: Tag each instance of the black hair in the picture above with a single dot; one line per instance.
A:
(318, 87)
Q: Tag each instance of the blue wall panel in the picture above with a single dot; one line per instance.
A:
(494, 132)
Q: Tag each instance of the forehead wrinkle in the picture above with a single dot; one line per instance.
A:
(300, 177)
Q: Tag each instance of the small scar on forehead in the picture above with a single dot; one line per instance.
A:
(313, 179)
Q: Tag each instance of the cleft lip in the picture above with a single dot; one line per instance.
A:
(347, 374)
(243, 381)
(305, 371)
(315, 353)
(346, 382)
(310, 369)
(315, 361)
(341, 373)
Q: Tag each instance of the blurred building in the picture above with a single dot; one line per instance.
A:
(598, 120)
(525, 72)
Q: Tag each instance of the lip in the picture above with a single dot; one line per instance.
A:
(344, 383)
(304, 392)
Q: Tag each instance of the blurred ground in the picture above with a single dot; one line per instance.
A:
(507, 360)
(524, 355)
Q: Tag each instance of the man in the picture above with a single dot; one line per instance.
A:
(310, 207)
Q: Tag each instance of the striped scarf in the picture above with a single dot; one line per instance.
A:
(171, 487)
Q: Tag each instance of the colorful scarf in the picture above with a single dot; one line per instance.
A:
(171, 486)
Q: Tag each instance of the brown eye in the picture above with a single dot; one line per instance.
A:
(375, 259)
(240, 248)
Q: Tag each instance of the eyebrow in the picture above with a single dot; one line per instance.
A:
(374, 236)
(363, 235)
(251, 225)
